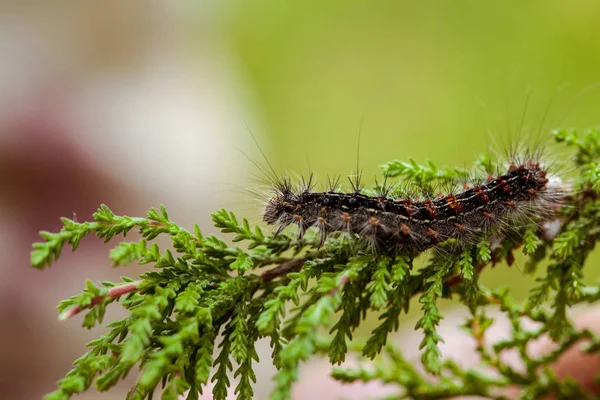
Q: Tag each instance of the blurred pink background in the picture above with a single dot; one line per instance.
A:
(105, 102)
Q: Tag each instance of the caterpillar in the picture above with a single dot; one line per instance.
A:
(525, 192)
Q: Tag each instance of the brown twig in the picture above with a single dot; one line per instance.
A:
(113, 292)
(283, 269)
(457, 279)
(336, 289)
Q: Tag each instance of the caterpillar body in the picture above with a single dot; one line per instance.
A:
(524, 193)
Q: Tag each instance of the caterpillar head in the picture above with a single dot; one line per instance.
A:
(275, 209)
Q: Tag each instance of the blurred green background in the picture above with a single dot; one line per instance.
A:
(429, 80)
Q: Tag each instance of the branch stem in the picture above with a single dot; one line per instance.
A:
(112, 293)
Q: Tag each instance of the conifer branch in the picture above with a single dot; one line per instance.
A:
(112, 293)
(196, 315)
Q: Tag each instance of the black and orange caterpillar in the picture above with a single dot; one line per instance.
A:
(524, 193)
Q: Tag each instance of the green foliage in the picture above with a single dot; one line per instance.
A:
(196, 316)
(420, 174)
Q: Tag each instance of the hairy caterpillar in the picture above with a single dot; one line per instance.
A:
(525, 192)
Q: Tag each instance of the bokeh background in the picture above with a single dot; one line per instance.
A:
(134, 104)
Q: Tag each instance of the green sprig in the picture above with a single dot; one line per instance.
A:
(205, 295)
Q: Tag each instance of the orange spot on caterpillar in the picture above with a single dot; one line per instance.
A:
(346, 217)
(297, 218)
(481, 194)
(323, 210)
(404, 229)
(512, 168)
(432, 234)
(408, 207)
(321, 220)
(532, 192)
(489, 216)
(511, 204)
(430, 208)
(490, 178)
(460, 227)
(373, 221)
(466, 186)
(454, 203)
